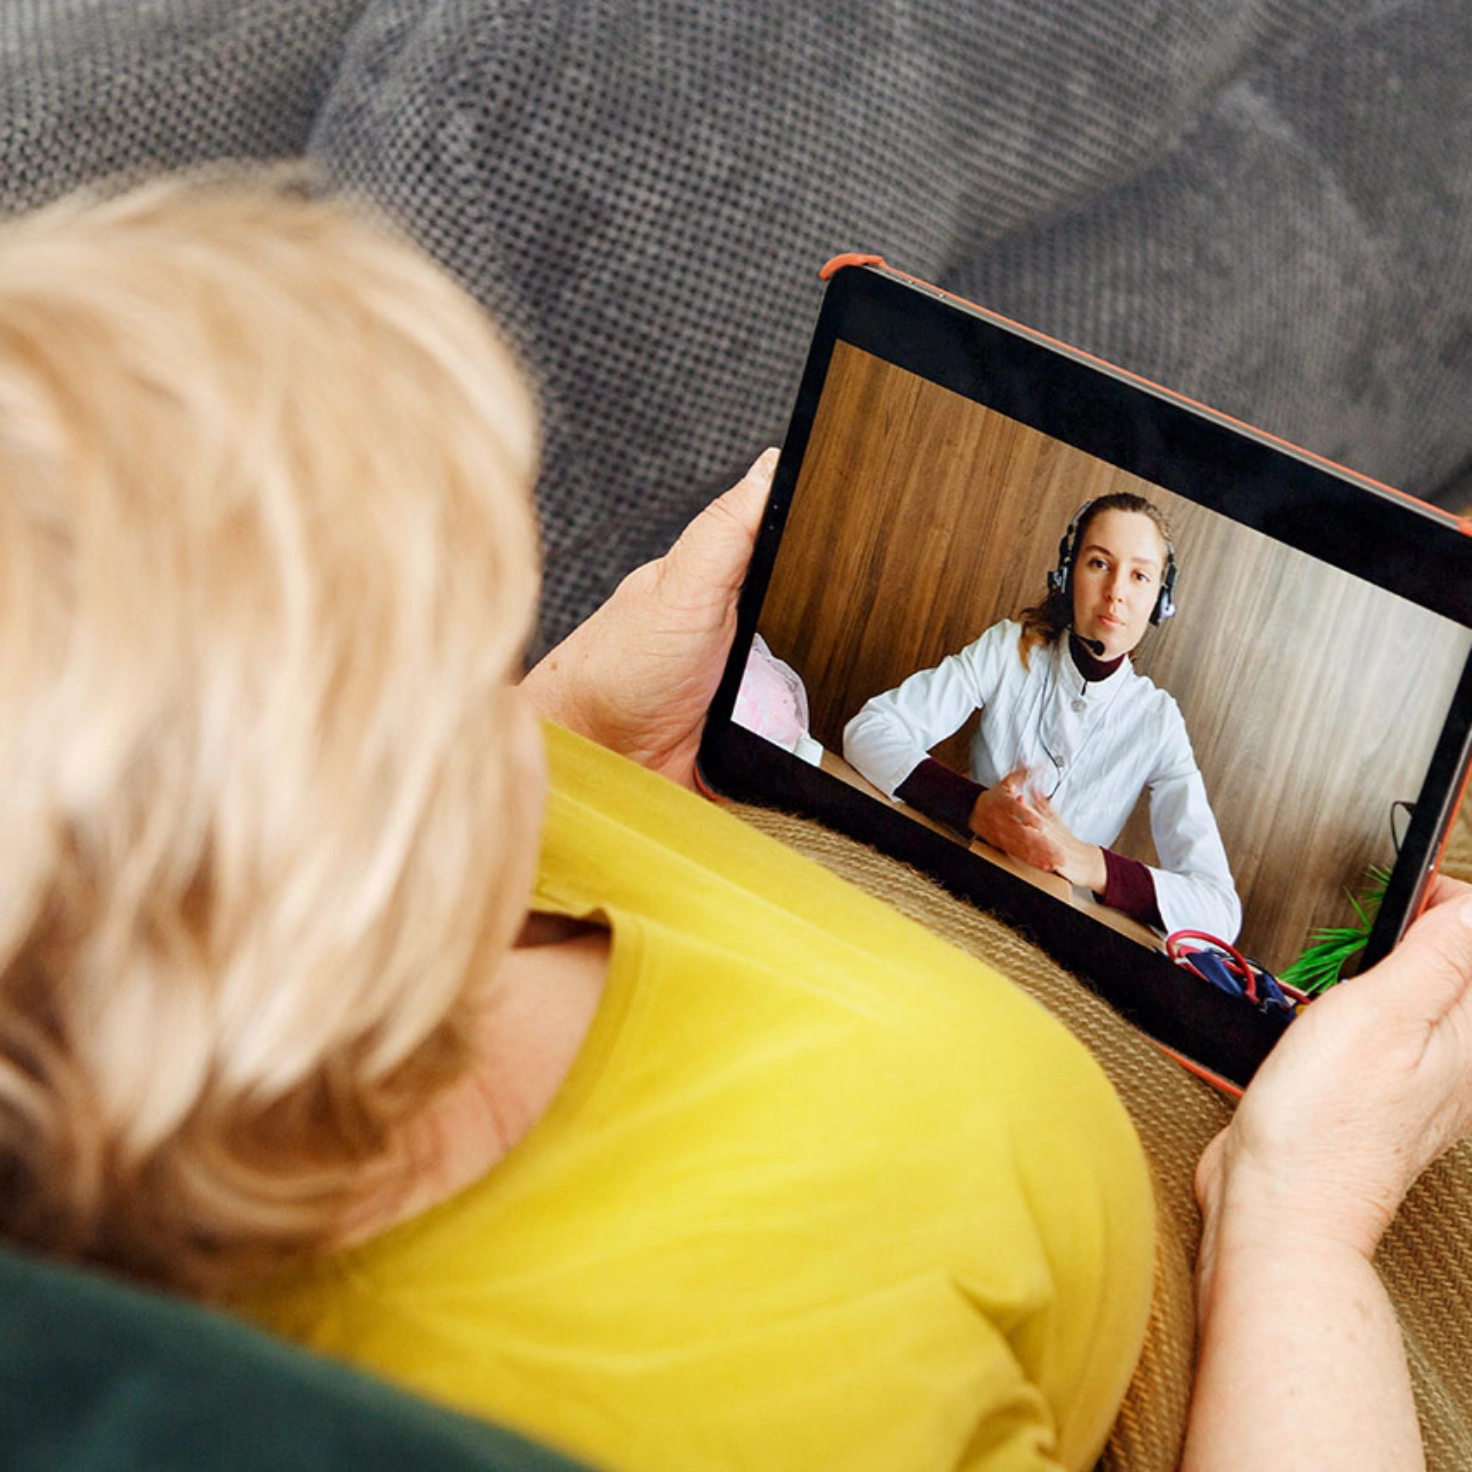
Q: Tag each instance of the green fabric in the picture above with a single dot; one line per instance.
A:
(100, 1375)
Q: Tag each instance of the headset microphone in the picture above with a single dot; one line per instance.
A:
(1094, 646)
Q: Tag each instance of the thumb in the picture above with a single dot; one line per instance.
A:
(712, 553)
(1012, 783)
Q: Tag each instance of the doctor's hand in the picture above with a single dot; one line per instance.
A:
(1080, 863)
(1001, 817)
(638, 676)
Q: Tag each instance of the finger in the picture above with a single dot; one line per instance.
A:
(1430, 971)
(747, 499)
(1029, 841)
(1034, 804)
(1443, 889)
(1012, 783)
(1019, 816)
(712, 553)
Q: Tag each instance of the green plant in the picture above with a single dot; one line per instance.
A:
(1331, 947)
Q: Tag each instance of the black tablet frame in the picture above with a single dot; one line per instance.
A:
(1289, 495)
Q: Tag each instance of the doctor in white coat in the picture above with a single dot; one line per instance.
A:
(1070, 735)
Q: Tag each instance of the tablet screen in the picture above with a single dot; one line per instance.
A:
(1234, 675)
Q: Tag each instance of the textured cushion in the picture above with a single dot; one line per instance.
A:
(1422, 1260)
(90, 88)
(1267, 205)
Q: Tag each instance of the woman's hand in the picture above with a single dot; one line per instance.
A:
(1080, 863)
(1300, 1360)
(1364, 1091)
(1002, 817)
(638, 676)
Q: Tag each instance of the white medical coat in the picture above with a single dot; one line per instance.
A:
(1090, 746)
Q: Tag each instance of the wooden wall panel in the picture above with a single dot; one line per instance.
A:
(1311, 698)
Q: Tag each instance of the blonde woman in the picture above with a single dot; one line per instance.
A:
(335, 987)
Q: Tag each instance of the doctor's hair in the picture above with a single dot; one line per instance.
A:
(1046, 622)
(267, 568)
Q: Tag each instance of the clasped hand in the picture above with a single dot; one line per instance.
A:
(1022, 823)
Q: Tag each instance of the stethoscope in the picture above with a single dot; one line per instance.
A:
(1080, 703)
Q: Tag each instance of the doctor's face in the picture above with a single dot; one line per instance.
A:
(1116, 579)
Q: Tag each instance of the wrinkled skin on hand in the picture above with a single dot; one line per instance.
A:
(639, 675)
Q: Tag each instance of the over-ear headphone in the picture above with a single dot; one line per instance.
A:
(1060, 578)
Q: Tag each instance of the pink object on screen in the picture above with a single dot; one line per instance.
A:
(772, 701)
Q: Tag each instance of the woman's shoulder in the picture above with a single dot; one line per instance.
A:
(1002, 637)
(1155, 705)
(1000, 656)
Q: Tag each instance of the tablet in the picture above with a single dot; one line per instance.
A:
(1150, 685)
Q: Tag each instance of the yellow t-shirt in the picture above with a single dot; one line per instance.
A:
(819, 1192)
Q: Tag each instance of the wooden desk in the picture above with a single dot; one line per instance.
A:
(1053, 884)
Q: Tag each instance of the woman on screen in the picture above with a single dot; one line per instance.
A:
(1070, 735)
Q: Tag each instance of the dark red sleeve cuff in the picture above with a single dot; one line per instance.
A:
(1130, 887)
(938, 792)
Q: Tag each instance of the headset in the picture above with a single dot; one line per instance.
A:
(1060, 578)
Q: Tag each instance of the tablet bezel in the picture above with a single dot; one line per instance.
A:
(1291, 496)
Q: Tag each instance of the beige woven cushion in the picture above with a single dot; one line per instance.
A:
(1426, 1260)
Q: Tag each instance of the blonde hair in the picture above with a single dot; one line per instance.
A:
(267, 564)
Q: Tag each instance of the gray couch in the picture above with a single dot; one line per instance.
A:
(1264, 203)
